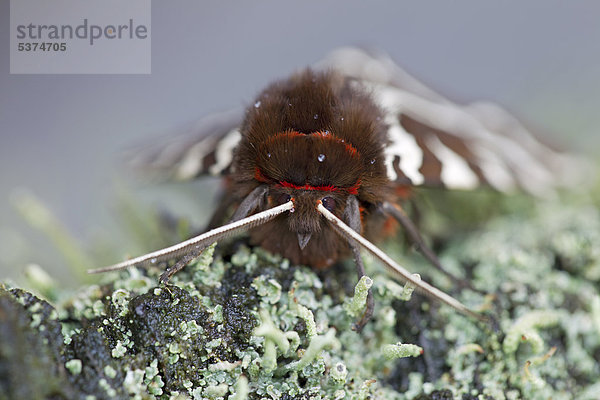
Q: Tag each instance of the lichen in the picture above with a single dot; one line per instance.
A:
(243, 323)
(356, 304)
(400, 350)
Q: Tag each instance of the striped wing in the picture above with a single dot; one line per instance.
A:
(435, 142)
(204, 147)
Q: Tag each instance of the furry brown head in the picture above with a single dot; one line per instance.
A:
(315, 136)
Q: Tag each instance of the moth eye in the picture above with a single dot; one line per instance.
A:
(283, 198)
(328, 203)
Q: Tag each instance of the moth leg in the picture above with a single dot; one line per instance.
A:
(415, 237)
(254, 200)
(178, 266)
(352, 218)
(250, 203)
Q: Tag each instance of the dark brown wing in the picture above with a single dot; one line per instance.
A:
(435, 142)
(204, 147)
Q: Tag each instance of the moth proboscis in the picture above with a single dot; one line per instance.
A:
(316, 164)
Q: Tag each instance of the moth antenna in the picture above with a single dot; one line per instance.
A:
(196, 244)
(344, 230)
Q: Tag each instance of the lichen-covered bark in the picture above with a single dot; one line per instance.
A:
(247, 324)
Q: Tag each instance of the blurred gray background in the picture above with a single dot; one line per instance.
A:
(61, 134)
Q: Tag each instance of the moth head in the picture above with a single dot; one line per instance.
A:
(305, 221)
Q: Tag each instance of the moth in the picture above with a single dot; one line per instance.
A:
(316, 164)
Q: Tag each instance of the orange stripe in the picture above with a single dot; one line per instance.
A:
(325, 135)
(329, 136)
(328, 188)
(259, 176)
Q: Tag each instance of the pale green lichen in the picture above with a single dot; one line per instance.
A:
(270, 332)
(317, 344)
(274, 337)
(134, 382)
(105, 386)
(306, 315)
(241, 389)
(338, 374)
(110, 371)
(224, 366)
(74, 366)
(267, 288)
(401, 350)
(355, 306)
(364, 391)
(409, 288)
(525, 329)
(214, 391)
(119, 350)
(152, 370)
(469, 348)
(595, 312)
(155, 386)
(247, 324)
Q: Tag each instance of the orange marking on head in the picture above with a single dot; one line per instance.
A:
(329, 136)
(325, 188)
(324, 135)
(283, 135)
(259, 176)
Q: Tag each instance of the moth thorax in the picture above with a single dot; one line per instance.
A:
(316, 161)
